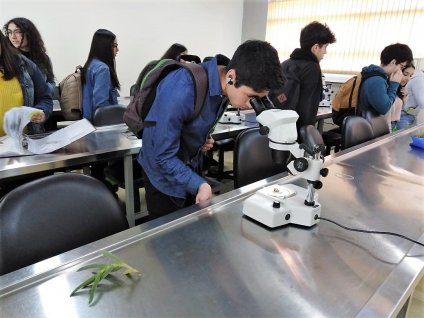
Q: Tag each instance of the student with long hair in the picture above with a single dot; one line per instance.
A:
(174, 52)
(22, 84)
(99, 79)
(394, 114)
(23, 35)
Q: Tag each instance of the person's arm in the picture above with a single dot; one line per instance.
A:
(101, 87)
(173, 105)
(379, 96)
(42, 94)
(307, 106)
(417, 89)
(291, 86)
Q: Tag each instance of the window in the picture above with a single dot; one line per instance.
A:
(362, 28)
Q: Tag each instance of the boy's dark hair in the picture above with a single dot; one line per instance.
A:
(102, 49)
(257, 66)
(316, 33)
(398, 51)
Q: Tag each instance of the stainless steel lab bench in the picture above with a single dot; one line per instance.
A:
(213, 262)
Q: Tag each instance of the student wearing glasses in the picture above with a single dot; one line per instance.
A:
(378, 93)
(22, 83)
(99, 79)
(23, 35)
(100, 85)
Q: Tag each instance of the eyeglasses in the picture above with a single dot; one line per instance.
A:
(403, 66)
(16, 32)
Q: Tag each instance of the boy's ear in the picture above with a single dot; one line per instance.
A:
(231, 73)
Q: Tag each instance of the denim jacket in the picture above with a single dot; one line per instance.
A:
(172, 107)
(97, 89)
(35, 90)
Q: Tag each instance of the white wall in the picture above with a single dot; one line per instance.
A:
(255, 13)
(144, 29)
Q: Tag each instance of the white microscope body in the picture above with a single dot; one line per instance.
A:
(281, 204)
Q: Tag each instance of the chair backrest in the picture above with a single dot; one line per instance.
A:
(379, 123)
(132, 90)
(109, 115)
(311, 137)
(355, 130)
(252, 158)
(55, 214)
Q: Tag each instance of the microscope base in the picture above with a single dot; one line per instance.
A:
(279, 205)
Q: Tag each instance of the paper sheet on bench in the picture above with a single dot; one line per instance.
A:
(16, 119)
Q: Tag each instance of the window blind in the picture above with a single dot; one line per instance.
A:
(362, 28)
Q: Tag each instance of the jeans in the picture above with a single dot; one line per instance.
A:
(405, 120)
(160, 204)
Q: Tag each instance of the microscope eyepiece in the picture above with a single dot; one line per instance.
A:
(257, 105)
(267, 103)
(261, 104)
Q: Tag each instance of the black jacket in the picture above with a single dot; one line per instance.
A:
(302, 89)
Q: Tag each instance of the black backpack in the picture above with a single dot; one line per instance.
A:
(140, 105)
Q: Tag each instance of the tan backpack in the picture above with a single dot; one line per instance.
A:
(70, 90)
(346, 101)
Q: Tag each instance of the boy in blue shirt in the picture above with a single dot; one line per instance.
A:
(171, 183)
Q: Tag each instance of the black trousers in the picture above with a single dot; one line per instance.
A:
(160, 204)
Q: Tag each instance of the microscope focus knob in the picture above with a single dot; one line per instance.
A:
(300, 164)
(324, 172)
(317, 184)
(264, 130)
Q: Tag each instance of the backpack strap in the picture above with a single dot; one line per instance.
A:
(200, 80)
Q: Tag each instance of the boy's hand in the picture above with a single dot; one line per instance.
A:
(38, 117)
(208, 144)
(396, 76)
(204, 193)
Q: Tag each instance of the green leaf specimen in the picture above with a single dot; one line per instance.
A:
(102, 271)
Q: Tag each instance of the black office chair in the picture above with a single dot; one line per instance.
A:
(109, 115)
(52, 215)
(379, 124)
(222, 146)
(332, 139)
(311, 137)
(253, 159)
(132, 90)
(355, 130)
(189, 58)
(114, 171)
